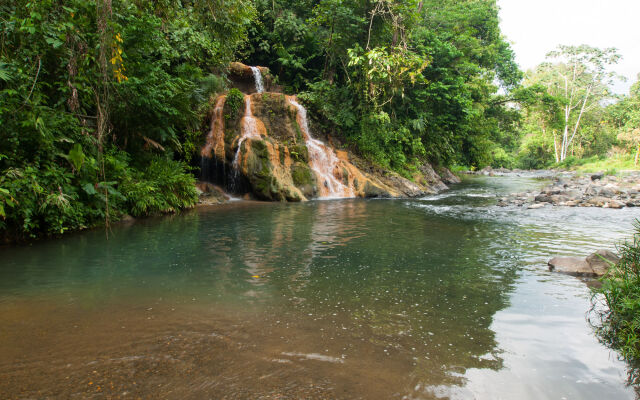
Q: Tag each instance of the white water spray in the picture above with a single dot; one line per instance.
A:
(257, 76)
(322, 159)
(249, 129)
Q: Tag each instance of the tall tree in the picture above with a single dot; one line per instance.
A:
(578, 77)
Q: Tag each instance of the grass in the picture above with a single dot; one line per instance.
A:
(610, 165)
(618, 324)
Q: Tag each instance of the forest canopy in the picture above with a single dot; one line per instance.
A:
(102, 102)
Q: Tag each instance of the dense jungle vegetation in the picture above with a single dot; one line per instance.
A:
(101, 102)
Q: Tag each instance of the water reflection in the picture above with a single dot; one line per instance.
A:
(445, 296)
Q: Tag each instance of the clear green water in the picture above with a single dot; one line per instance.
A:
(442, 297)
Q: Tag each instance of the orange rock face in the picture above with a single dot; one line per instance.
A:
(270, 146)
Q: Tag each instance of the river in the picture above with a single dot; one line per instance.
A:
(446, 296)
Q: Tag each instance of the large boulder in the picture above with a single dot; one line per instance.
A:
(575, 266)
(601, 261)
(430, 177)
(595, 265)
(241, 77)
(447, 176)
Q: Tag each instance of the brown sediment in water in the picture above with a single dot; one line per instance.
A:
(178, 352)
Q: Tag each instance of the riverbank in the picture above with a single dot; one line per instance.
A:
(572, 189)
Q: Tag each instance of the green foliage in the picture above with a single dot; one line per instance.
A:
(163, 186)
(619, 324)
(234, 103)
(86, 86)
(400, 81)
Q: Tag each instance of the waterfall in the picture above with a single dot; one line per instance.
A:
(249, 128)
(257, 76)
(322, 159)
(215, 137)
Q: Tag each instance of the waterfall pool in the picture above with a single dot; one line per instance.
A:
(446, 296)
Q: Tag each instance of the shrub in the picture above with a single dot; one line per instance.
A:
(164, 186)
(234, 102)
(618, 324)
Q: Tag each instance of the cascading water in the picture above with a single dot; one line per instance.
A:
(214, 146)
(322, 159)
(215, 138)
(249, 130)
(257, 76)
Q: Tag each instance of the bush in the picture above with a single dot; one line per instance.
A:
(234, 102)
(619, 324)
(164, 186)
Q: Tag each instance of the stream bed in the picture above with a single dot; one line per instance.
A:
(447, 296)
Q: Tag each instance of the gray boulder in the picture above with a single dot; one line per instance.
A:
(595, 265)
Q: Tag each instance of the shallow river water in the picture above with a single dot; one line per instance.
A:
(447, 296)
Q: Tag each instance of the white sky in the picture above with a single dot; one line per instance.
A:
(535, 27)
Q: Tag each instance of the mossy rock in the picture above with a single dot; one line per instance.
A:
(371, 190)
(304, 179)
(273, 110)
(299, 152)
(258, 171)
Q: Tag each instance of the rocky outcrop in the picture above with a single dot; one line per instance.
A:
(595, 265)
(266, 147)
(274, 163)
(241, 77)
(594, 190)
(209, 194)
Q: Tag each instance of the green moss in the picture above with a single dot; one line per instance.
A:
(301, 174)
(297, 128)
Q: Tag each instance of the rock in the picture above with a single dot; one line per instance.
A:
(241, 77)
(210, 194)
(614, 204)
(487, 171)
(372, 190)
(597, 176)
(601, 261)
(574, 266)
(542, 198)
(596, 264)
(572, 194)
(447, 176)
(590, 191)
(598, 201)
(431, 178)
(405, 186)
(607, 192)
(536, 206)
(126, 219)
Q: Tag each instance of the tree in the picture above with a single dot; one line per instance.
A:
(580, 81)
(631, 118)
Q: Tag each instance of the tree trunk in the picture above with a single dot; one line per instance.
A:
(635, 160)
(555, 147)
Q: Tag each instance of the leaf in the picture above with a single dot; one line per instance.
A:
(76, 157)
(89, 188)
(4, 72)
